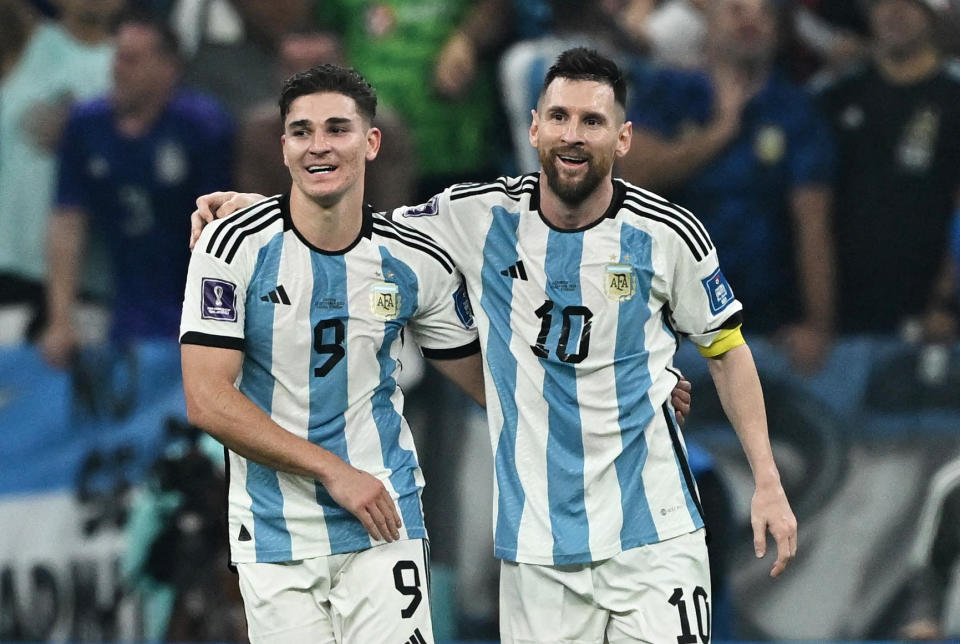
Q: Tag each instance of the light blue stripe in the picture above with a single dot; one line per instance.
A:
(632, 374)
(401, 462)
(328, 393)
(565, 489)
(499, 253)
(271, 538)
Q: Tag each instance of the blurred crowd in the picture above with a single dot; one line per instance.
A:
(818, 142)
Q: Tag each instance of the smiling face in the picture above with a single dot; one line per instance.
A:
(578, 130)
(326, 145)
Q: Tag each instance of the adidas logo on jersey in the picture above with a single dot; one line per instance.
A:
(517, 271)
(416, 638)
(244, 534)
(277, 296)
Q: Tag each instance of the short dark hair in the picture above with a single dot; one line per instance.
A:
(169, 44)
(329, 78)
(581, 63)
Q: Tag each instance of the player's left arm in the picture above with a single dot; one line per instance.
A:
(738, 385)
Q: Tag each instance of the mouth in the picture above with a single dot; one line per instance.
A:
(321, 169)
(572, 160)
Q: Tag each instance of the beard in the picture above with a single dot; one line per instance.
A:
(571, 191)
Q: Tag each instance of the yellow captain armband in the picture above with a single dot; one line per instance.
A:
(726, 340)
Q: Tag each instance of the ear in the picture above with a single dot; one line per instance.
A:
(624, 138)
(283, 149)
(534, 128)
(374, 137)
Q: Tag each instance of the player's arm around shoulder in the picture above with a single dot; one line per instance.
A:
(738, 385)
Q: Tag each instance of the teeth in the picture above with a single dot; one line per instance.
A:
(315, 169)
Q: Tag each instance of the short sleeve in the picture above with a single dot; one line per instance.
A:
(701, 299)
(444, 325)
(214, 299)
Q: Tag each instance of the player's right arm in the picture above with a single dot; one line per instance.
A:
(215, 405)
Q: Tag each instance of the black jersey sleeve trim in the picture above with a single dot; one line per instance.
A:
(452, 354)
(210, 340)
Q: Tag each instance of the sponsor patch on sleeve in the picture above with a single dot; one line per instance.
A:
(218, 300)
(718, 290)
(425, 209)
(463, 307)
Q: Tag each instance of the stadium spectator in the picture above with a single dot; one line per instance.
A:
(745, 149)
(130, 165)
(46, 66)
(430, 61)
(240, 68)
(897, 125)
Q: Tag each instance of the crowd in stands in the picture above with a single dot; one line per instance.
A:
(818, 142)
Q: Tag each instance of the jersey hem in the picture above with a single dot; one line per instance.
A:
(283, 556)
(510, 554)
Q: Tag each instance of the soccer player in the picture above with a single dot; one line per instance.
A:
(302, 300)
(582, 286)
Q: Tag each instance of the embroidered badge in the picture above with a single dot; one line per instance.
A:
(385, 301)
(619, 282)
(218, 300)
(719, 293)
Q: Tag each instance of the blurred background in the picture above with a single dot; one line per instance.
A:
(819, 143)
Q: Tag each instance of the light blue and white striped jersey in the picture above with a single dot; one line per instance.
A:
(578, 330)
(320, 333)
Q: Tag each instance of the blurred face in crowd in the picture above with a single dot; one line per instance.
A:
(578, 130)
(143, 73)
(900, 27)
(326, 145)
(95, 12)
(743, 32)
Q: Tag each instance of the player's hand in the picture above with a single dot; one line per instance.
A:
(365, 497)
(770, 510)
(57, 343)
(680, 399)
(217, 205)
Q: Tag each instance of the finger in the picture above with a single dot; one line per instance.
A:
(370, 525)
(196, 225)
(229, 207)
(389, 509)
(380, 520)
(759, 538)
(784, 554)
(684, 385)
(680, 416)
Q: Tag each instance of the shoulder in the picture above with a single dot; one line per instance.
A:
(413, 244)
(251, 227)
(199, 108)
(665, 221)
(502, 190)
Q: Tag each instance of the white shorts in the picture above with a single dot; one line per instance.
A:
(656, 593)
(375, 595)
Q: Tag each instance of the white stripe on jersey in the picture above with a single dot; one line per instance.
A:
(577, 332)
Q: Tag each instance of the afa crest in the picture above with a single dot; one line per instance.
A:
(385, 300)
(619, 282)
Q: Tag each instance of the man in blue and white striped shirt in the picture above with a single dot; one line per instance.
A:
(293, 321)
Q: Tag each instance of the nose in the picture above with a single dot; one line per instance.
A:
(572, 131)
(319, 144)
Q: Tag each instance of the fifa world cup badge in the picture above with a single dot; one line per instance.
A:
(385, 301)
(620, 282)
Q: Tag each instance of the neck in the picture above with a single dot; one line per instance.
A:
(572, 216)
(135, 119)
(905, 70)
(328, 227)
(90, 32)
